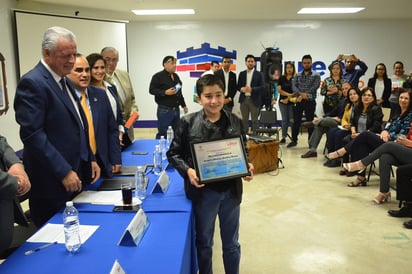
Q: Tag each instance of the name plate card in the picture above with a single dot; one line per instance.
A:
(162, 184)
(135, 230)
(219, 160)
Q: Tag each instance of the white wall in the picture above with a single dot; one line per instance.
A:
(8, 125)
(373, 41)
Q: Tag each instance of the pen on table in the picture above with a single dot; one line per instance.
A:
(39, 248)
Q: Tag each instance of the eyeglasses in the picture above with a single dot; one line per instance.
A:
(367, 95)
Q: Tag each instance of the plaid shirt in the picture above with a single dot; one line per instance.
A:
(308, 83)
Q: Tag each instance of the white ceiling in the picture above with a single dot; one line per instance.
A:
(218, 10)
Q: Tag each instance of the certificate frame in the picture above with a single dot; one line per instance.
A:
(220, 159)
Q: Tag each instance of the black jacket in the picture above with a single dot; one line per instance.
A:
(387, 83)
(373, 121)
(196, 128)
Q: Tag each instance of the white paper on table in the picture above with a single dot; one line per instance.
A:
(55, 232)
(103, 198)
(99, 197)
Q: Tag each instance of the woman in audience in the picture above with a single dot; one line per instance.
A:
(381, 84)
(332, 87)
(97, 73)
(398, 78)
(285, 91)
(335, 135)
(367, 117)
(369, 142)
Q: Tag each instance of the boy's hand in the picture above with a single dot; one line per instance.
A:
(194, 180)
(250, 177)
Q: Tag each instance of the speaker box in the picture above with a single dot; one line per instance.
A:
(271, 65)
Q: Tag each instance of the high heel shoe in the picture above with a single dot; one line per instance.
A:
(336, 154)
(359, 181)
(354, 166)
(382, 198)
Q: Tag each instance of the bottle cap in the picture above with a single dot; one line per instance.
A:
(69, 203)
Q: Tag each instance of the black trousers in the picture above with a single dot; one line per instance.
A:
(404, 183)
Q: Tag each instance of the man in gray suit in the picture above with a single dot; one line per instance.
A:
(14, 182)
(121, 80)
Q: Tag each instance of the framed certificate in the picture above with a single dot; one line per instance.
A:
(220, 159)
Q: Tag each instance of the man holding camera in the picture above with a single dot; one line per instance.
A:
(353, 68)
(166, 86)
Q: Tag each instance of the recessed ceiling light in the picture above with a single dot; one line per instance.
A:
(329, 10)
(164, 12)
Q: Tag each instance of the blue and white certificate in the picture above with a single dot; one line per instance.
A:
(220, 160)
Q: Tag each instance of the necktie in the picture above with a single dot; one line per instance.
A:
(92, 139)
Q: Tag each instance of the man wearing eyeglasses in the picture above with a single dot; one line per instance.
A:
(121, 80)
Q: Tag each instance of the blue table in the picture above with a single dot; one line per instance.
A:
(167, 247)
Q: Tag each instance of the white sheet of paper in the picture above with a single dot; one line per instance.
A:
(99, 197)
(54, 232)
(103, 198)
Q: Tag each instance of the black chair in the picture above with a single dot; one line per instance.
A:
(268, 124)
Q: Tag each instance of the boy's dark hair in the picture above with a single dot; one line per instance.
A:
(214, 63)
(208, 80)
(250, 56)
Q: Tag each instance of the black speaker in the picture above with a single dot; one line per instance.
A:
(271, 65)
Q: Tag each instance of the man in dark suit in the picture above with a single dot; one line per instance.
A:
(228, 78)
(108, 154)
(13, 182)
(251, 85)
(57, 155)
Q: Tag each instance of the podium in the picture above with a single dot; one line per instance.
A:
(263, 156)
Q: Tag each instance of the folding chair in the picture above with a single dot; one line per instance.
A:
(268, 124)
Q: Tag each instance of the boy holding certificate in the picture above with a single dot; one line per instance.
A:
(221, 197)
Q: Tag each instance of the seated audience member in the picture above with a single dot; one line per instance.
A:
(14, 182)
(404, 189)
(97, 78)
(353, 70)
(332, 87)
(398, 78)
(390, 154)
(336, 135)
(330, 120)
(106, 137)
(367, 117)
(381, 84)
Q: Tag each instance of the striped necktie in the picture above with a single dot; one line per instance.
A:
(86, 110)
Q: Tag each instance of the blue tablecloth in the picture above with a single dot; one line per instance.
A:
(167, 247)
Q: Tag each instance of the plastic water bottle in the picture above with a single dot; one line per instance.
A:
(141, 183)
(169, 136)
(162, 143)
(71, 228)
(157, 160)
